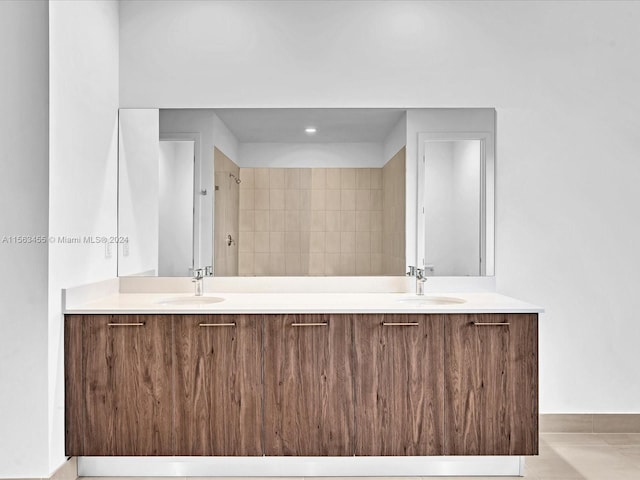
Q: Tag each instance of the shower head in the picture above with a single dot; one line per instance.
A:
(235, 178)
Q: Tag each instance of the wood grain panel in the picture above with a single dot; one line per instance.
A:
(399, 385)
(127, 391)
(491, 386)
(73, 381)
(218, 385)
(308, 382)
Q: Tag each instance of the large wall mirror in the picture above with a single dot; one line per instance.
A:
(298, 192)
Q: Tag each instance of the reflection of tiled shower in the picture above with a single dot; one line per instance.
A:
(225, 229)
(323, 221)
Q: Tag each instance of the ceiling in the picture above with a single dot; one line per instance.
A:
(333, 125)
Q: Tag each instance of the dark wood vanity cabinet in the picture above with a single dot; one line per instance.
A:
(308, 385)
(491, 384)
(399, 382)
(217, 384)
(121, 396)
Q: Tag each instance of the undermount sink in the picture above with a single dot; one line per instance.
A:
(189, 300)
(430, 300)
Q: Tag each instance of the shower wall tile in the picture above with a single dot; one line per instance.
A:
(317, 221)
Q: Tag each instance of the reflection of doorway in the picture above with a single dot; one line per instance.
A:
(453, 207)
(175, 236)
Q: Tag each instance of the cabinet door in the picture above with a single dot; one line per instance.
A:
(218, 384)
(491, 384)
(127, 387)
(308, 384)
(399, 384)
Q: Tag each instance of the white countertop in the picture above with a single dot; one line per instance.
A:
(256, 303)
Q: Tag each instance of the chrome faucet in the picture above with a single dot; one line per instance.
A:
(421, 279)
(198, 275)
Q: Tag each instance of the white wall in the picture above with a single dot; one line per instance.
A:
(175, 205)
(396, 139)
(138, 191)
(311, 155)
(24, 202)
(223, 139)
(83, 168)
(567, 104)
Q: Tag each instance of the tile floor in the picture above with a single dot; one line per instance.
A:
(570, 456)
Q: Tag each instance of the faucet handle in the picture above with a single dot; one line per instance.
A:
(198, 274)
(412, 271)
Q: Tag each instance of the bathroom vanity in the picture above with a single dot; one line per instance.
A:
(303, 379)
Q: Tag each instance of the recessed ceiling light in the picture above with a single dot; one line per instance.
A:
(310, 130)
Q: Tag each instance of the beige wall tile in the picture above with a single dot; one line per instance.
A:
(363, 221)
(347, 242)
(305, 200)
(276, 242)
(347, 264)
(305, 178)
(261, 178)
(332, 264)
(261, 199)
(245, 263)
(348, 179)
(276, 199)
(304, 263)
(261, 241)
(246, 199)
(363, 242)
(247, 177)
(376, 199)
(317, 223)
(261, 220)
(305, 221)
(317, 199)
(333, 178)
(246, 223)
(292, 221)
(363, 199)
(376, 178)
(363, 178)
(292, 200)
(376, 221)
(333, 199)
(348, 221)
(332, 220)
(277, 264)
(316, 264)
(348, 199)
(363, 263)
(376, 264)
(332, 242)
(292, 242)
(246, 242)
(292, 178)
(293, 265)
(318, 179)
(376, 242)
(276, 220)
(276, 178)
(316, 242)
(261, 264)
(305, 241)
